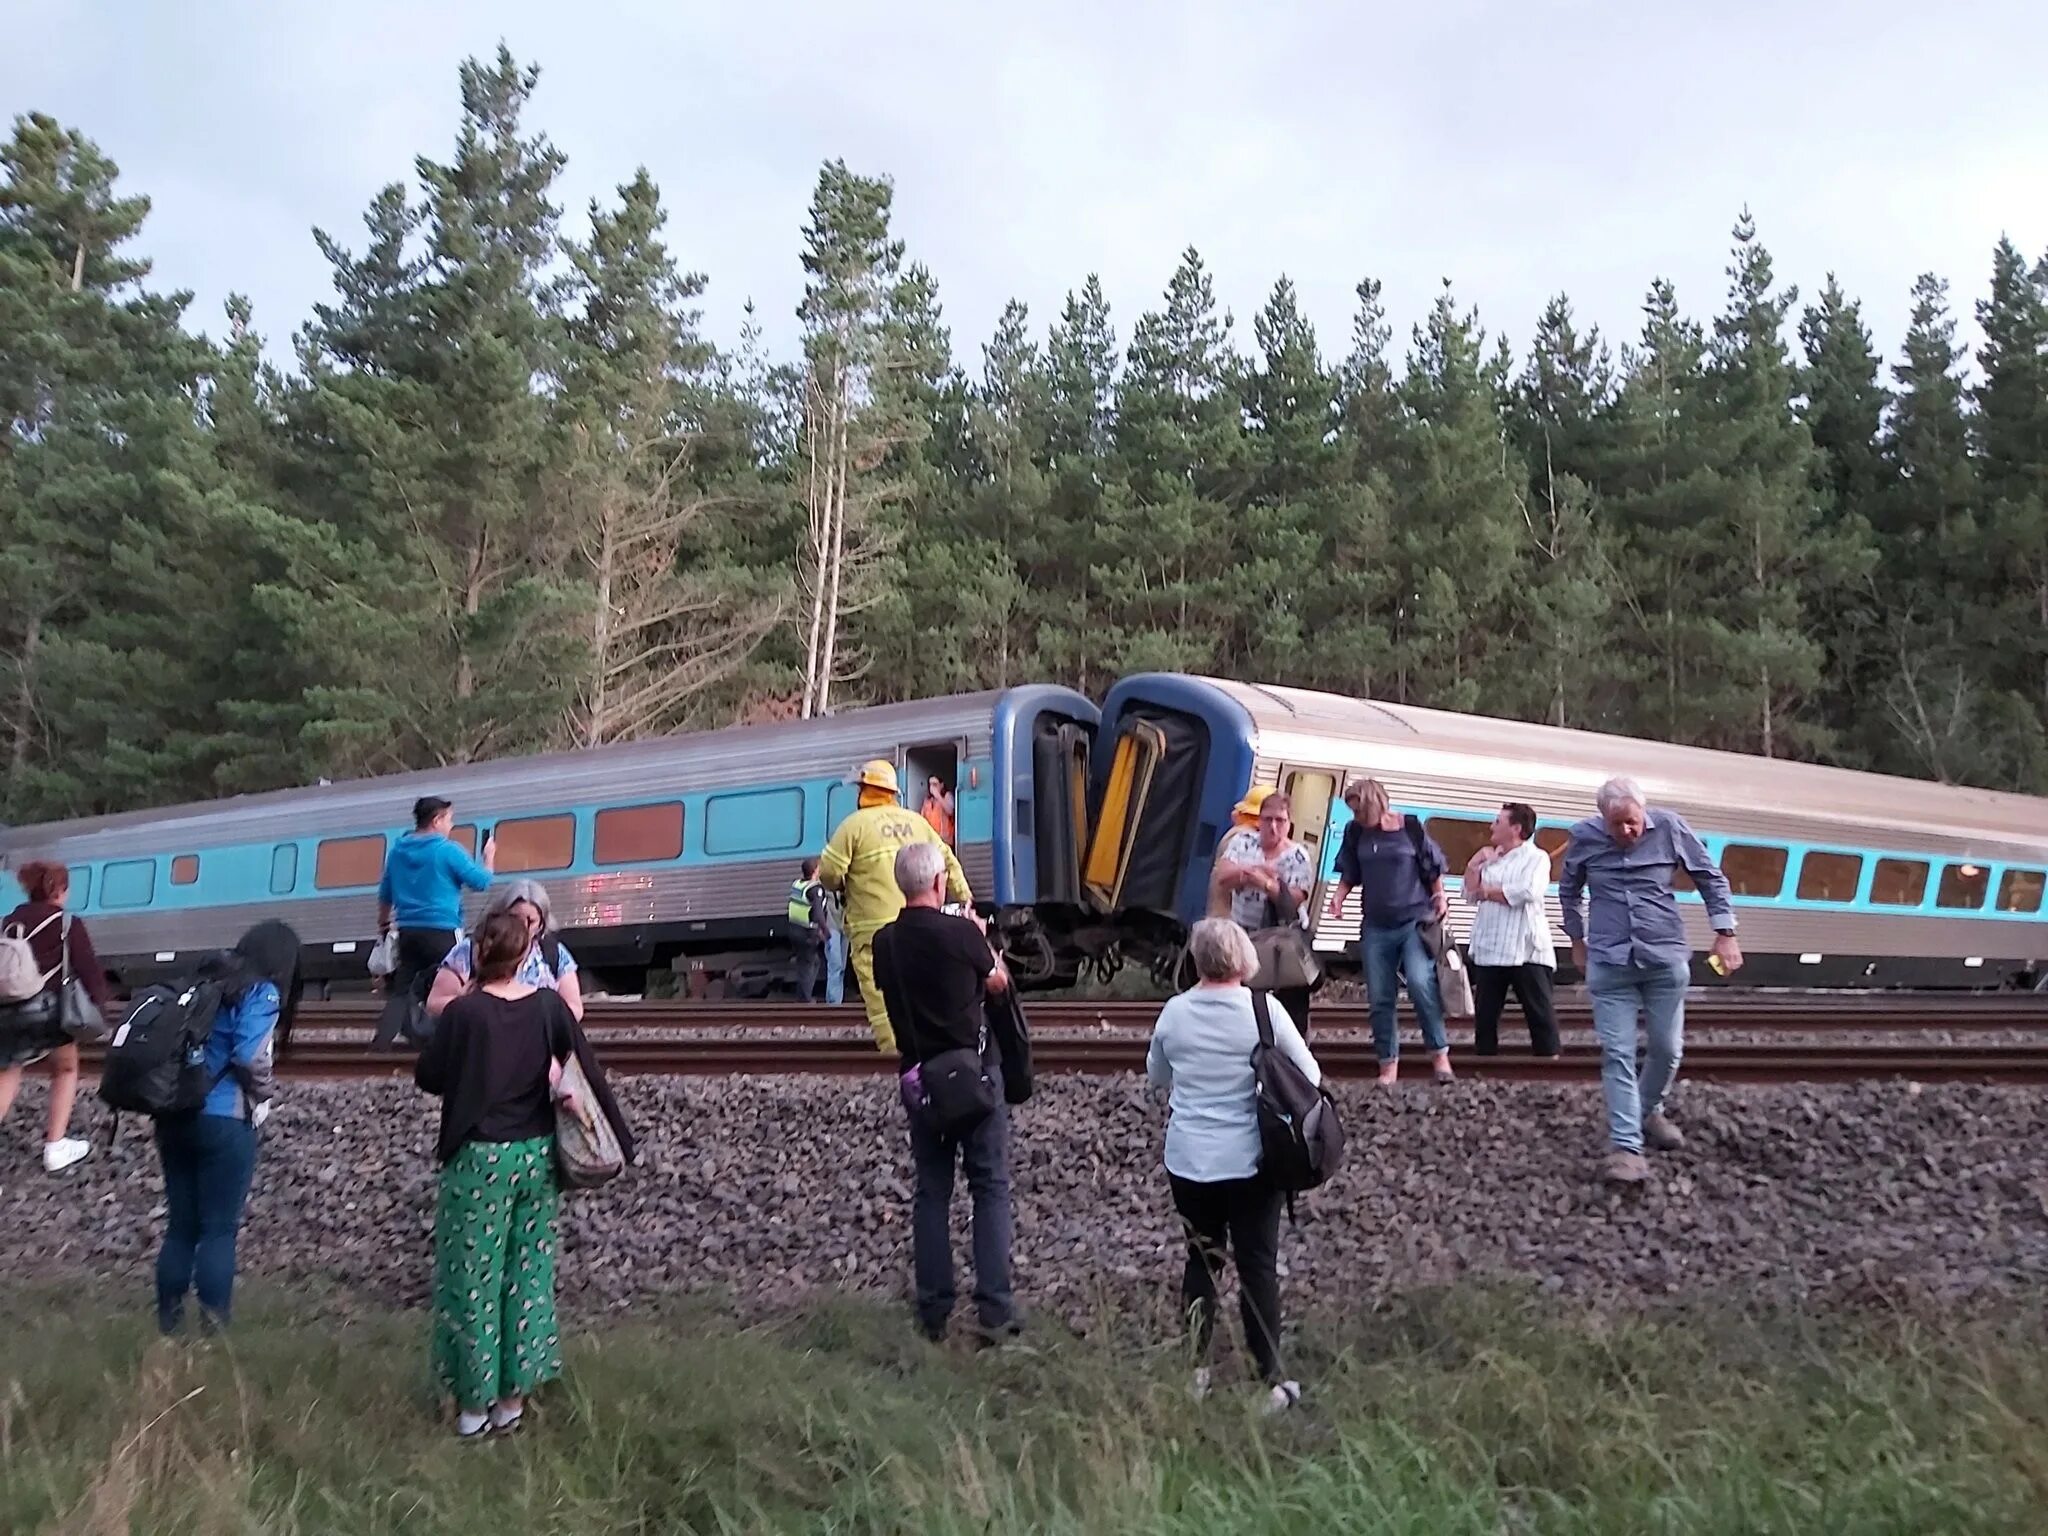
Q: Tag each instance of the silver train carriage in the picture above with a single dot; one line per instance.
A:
(652, 851)
(1840, 879)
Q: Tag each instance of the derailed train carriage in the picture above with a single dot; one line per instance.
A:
(1840, 879)
(653, 852)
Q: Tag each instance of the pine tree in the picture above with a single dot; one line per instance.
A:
(1567, 592)
(854, 416)
(1456, 519)
(1766, 667)
(2011, 429)
(1935, 721)
(104, 704)
(1843, 410)
(662, 628)
(424, 438)
(1081, 383)
(1176, 472)
(1844, 405)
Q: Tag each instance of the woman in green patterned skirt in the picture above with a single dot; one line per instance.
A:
(496, 1061)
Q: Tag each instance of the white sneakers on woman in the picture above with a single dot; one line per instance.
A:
(1283, 1397)
(59, 1155)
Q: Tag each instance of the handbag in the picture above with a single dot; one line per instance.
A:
(958, 1092)
(587, 1151)
(29, 1030)
(77, 1014)
(384, 954)
(1453, 981)
(1287, 959)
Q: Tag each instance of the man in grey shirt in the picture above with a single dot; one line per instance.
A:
(1635, 956)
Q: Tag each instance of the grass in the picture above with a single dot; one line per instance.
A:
(1471, 1413)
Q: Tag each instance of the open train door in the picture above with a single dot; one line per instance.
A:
(1059, 771)
(1150, 800)
(1312, 793)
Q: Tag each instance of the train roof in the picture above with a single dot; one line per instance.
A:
(714, 758)
(1299, 723)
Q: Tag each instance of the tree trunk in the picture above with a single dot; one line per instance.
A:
(594, 731)
(818, 532)
(840, 456)
(25, 699)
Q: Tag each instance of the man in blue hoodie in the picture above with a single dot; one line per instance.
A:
(421, 894)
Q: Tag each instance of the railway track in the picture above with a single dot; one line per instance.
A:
(703, 1055)
(701, 1039)
(1790, 1013)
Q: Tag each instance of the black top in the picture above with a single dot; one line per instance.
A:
(488, 1058)
(931, 967)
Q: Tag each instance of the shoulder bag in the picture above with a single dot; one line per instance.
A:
(1453, 981)
(77, 1014)
(951, 1090)
(587, 1149)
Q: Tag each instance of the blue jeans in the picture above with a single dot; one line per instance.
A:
(208, 1162)
(835, 967)
(1388, 951)
(1623, 995)
(984, 1155)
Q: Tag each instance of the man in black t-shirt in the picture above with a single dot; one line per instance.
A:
(933, 970)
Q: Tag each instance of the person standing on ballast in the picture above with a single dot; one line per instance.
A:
(421, 895)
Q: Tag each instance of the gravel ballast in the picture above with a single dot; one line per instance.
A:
(764, 1190)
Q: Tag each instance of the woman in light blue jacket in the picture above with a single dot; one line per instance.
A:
(209, 1154)
(1202, 1052)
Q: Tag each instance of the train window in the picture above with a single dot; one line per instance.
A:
(185, 869)
(1554, 841)
(1681, 879)
(1899, 882)
(1460, 837)
(2019, 890)
(1829, 876)
(129, 883)
(841, 801)
(284, 868)
(341, 862)
(1753, 869)
(1963, 886)
(535, 842)
(760, 821)
(638, 834)
(464, 837)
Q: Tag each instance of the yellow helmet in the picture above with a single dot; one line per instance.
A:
(878, 773)
(1253, 799)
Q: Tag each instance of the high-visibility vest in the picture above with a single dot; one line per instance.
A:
(800, 903)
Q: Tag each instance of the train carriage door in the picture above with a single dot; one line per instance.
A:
(1139, 752)
(1311, 792)
(932, 787)
(1059, 822)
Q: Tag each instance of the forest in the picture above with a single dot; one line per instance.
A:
(506, 497)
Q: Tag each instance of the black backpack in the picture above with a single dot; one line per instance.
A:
(156, 1060)
(1301, 1142)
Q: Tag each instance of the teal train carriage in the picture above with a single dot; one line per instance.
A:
(652, 852)
(1840, 879)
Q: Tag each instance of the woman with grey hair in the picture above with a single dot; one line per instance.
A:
(548, 962)
(1201, 1052)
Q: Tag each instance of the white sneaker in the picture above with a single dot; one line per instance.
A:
(59, 1155)
(471, 1426)
(1200, 1389)
(1283, 1397)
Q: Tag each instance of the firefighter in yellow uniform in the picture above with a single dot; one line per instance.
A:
(861, 862)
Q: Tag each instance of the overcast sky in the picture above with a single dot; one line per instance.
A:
(1516, 148)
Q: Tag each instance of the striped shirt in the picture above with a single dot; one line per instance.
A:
(1516, 933)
